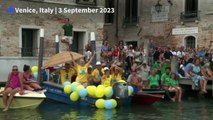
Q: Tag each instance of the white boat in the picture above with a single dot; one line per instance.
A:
(30, 99)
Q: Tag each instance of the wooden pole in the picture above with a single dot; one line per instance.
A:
(93, 46)
(40, 56)
(57, 44)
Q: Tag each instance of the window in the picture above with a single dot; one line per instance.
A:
(191, 6)
(190, 42)
(109, 17)
(131, 12)
(133, 43)
(29, 42)
(191, 10)
(86, 2)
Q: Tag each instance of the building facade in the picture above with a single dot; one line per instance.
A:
(20, 32)
(171, 23)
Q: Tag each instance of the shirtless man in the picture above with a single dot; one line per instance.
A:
(135, 81)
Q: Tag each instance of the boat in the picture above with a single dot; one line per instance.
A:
(30, 99)
(55, 92)
(146, 99)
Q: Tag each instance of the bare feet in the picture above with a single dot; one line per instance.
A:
(5, 109)
(173, 99)
(204, 91)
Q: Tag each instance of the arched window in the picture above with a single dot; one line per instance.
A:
(190, 42)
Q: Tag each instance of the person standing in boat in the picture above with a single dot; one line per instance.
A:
(13, 85)
(82, 70)
(28, 80)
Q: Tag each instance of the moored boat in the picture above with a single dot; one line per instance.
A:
(55, 92)
(30, 99)
(146, 99)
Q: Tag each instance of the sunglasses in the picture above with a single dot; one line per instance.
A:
(15, 69)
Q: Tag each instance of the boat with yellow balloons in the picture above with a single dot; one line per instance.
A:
(99, 96)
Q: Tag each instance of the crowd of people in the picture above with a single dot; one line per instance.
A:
(160, 68)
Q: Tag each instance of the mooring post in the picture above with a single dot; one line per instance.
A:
(40, 54)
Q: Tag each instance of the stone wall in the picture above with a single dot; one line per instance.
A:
(161, 32)
(11, 24)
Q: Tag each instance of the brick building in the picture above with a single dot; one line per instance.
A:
(19, 32)
(171, 23)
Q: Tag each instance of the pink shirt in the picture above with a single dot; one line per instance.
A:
(14, 81)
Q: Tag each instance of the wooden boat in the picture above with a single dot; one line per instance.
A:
(55, 92)
(30, 99)
(146, 99)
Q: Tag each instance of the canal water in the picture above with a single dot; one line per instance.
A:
(194, 109)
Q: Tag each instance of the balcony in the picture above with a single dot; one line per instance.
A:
(130, 21)
(189, 16)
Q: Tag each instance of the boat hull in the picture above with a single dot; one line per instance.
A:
(146, 99)
(30, 99)
(56, 92)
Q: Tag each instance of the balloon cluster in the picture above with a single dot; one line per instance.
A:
(76, 91)
(34, 69)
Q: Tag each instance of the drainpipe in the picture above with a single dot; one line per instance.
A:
(116, 20)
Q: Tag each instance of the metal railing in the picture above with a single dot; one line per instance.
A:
(190, 16)
(29, 52)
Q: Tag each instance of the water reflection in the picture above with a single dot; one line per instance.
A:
(23, 114)
(49, 110)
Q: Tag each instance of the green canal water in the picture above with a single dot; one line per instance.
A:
(195, 109)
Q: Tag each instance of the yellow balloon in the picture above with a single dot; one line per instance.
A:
(74, 96)
(129, 92)
(75, 83)
(100, 103)
(34, 69)
(67, 89)
(107, 90)
(79, 87)
(114, 103)
(123, 81)
(99, 93)
(101, 86)
(91, 90)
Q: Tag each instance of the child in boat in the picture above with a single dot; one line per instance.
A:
(28, 80)
(106, 79)
(175, 87)
(153, 80)
(13, 85)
